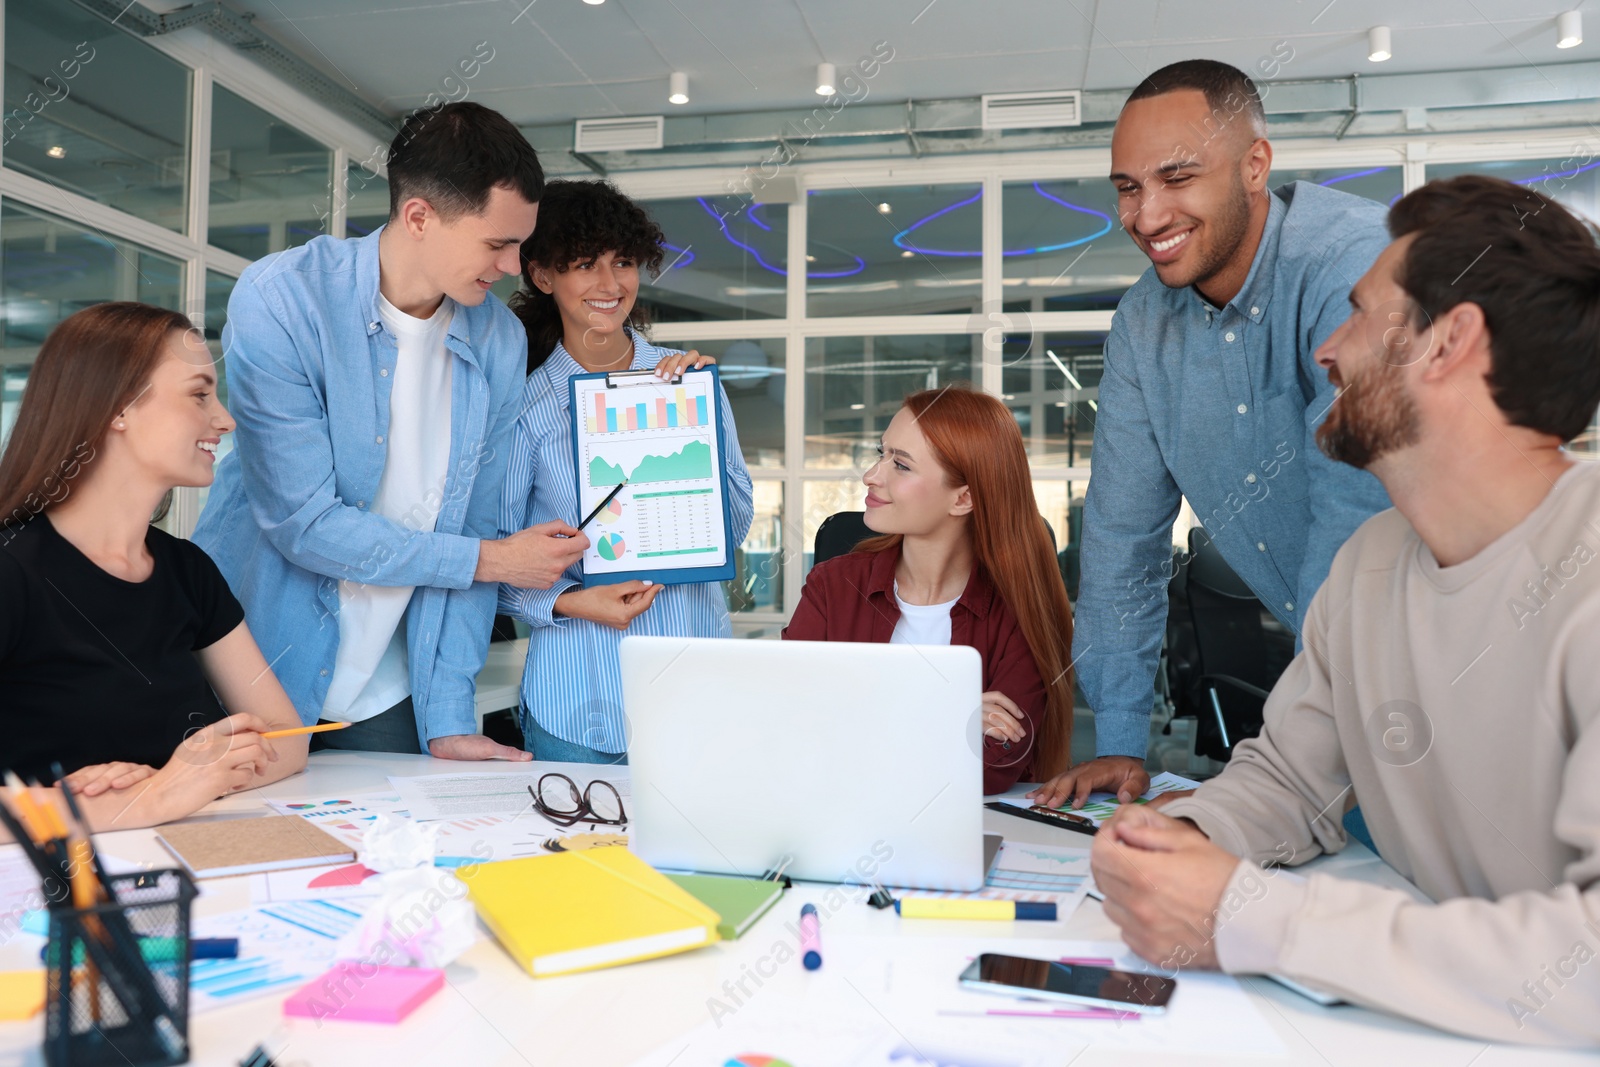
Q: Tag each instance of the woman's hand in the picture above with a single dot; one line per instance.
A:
(674, 365)
(1002, 719)
(99, 778)
(227, 756)
(222, 758)
(610, 605)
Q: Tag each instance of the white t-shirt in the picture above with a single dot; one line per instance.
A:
(921, 624)
(371, 672)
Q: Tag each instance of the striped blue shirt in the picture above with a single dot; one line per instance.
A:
(572, 684)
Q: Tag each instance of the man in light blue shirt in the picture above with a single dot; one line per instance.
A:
(1211, 391)
(375, 383)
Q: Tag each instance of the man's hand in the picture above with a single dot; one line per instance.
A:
(610, 605)
(1122, 775)
(475, 747)
(1163, 881)
(533, 558)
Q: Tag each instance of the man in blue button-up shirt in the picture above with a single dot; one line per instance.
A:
(309, 352)
(1210, 391)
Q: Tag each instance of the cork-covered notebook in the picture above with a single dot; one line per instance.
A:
(249, 846)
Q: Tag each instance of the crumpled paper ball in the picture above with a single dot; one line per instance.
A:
(422, 917)
(392, 844)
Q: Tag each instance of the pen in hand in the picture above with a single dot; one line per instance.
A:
(600, 506)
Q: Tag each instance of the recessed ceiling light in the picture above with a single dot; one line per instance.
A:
(677, 87)
(884, 209)
(594, 3)
(907, 254)
(858, 407)
(56, 151)
(1378, 49)
(1569, 29)
(825, 79)
(810, 258)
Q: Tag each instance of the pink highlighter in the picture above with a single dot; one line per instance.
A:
(810, 937)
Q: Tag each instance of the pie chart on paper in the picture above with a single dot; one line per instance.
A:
(611, 547)
(611, 512)
(756, 1059)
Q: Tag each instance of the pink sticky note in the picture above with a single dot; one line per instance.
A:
(362, 992)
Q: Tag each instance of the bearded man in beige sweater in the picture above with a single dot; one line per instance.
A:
(1451, 672)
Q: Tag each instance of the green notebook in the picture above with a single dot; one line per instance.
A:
(739, 901)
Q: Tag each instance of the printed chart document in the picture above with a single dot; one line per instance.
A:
(670, 523)
(1101, 806)
(462, 796)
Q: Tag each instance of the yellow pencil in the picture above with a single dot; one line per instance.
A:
(320, 728)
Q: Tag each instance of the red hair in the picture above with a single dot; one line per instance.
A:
(977, 442)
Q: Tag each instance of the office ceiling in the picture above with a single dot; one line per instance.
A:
(556, 60)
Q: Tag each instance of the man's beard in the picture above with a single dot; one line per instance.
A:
(1372, 417)
(1229, 230)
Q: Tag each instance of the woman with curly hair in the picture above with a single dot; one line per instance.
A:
(581, 272)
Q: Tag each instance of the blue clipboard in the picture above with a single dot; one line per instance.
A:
(622, 381)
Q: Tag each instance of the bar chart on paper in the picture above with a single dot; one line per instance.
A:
(661, 439)
(670, 407)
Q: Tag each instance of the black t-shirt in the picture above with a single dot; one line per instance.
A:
(95, 669)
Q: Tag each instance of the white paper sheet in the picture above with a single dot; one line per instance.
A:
(663, 439)
(281, 947)
(463, 796)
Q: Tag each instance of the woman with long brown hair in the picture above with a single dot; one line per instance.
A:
(962, 557)
(117, 639)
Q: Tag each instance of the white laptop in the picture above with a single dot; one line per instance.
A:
(852, 762)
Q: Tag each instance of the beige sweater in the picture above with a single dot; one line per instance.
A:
(1460, 703)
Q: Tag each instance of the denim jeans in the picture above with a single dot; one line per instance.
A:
(394, 730)
(547, 746)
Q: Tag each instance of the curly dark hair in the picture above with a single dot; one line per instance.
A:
(580, 221)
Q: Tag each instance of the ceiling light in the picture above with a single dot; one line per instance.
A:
(907, 254)
(1569, 29)
(810, 258)
(858, 407)
(825, 78)
(884, 209)
(594, 3)
(677, 85)
(1378, 48)
(55, 151)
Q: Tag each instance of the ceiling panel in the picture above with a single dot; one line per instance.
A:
(556, 60)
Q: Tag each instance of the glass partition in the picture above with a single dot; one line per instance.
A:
(854, 385)
(270, 184)
(727, 258)
(898, 250)
(95, 111)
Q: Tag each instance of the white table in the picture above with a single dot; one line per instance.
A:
(491, 1013)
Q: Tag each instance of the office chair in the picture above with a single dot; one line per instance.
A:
(1236, 663)
(844, 530)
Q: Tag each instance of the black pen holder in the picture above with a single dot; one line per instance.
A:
(118, 975)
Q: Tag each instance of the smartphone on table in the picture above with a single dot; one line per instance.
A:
(1071, 983)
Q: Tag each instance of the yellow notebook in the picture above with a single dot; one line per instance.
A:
(578, 911)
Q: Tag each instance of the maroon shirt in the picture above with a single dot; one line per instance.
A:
(851, 598)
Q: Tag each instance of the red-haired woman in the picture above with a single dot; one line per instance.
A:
(963, 558)
(121, 647)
